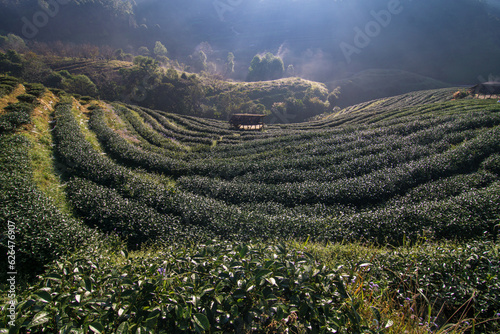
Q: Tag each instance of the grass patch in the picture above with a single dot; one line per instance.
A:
(11, 98)
(81, 114)
(41, 152)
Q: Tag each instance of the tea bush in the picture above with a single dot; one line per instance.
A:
(133, 221)
(452, 278)
(385, 174)
(125, 152)
(151, 136)
(492, 164)
(43, 233)
(35, 89)
(17, 114)
(7, 84)
(78, 155)
(213, 287)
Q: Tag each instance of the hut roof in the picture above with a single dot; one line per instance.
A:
(246, 118)
(249, 115)
(242, 120)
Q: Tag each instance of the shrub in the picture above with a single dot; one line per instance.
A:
(35, 89)
(131, 220)
(42, 233)
(211, 287)
(9, 81)
(125, 152)
(17, 114)
(28, 98)
(7, 84)
(492, 163)
(78, 155)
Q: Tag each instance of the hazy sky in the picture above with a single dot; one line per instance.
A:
(451, 40)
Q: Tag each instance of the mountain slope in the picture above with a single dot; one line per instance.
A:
(378, 83)
(182, 219)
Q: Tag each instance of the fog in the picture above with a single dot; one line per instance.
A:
(453, 41)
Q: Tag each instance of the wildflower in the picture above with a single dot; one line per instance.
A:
(374, 286)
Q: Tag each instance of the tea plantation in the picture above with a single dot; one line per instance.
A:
(380, 218)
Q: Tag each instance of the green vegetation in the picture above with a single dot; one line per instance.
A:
(7, 85)
(129, 204)
(43, 233)
(269, 67)
(146, 83)
(379, 218)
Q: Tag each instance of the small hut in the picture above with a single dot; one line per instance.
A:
(247, 121)
(486, 89)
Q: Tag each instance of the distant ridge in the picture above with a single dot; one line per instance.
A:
(378, 83)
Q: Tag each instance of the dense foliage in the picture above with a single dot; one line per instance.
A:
(43, 233)
(204, 228)
(269, 67)
(144, 81)
(340, 183)
(215, 287)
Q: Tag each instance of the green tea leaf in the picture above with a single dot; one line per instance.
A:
(202, 321)
(43, 296)
(39, 319)
(96, 327)
(261, 273)
(54, 277)
(88, 284)
(271, 280)
(123, 328)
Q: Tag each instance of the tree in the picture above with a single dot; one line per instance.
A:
(269, 67)
(275, 67)
(160, 50)
(11, 63)
(333, 97)
(89, 51)
(119, 54)
(172, 74)
(34, 68)
(13, 42)
(3, 41)
(106, 52)
(199, 61)
(229, 64)
(146, 64)
(80, 84)
(54, 80)
(144, 51)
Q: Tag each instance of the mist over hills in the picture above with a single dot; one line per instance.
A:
(452, 41)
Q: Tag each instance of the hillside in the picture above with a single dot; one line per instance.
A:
(378, 83)
(382, 217)
(453, 41)
(164, 86)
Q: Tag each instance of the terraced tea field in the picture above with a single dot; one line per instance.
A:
(170, 223)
